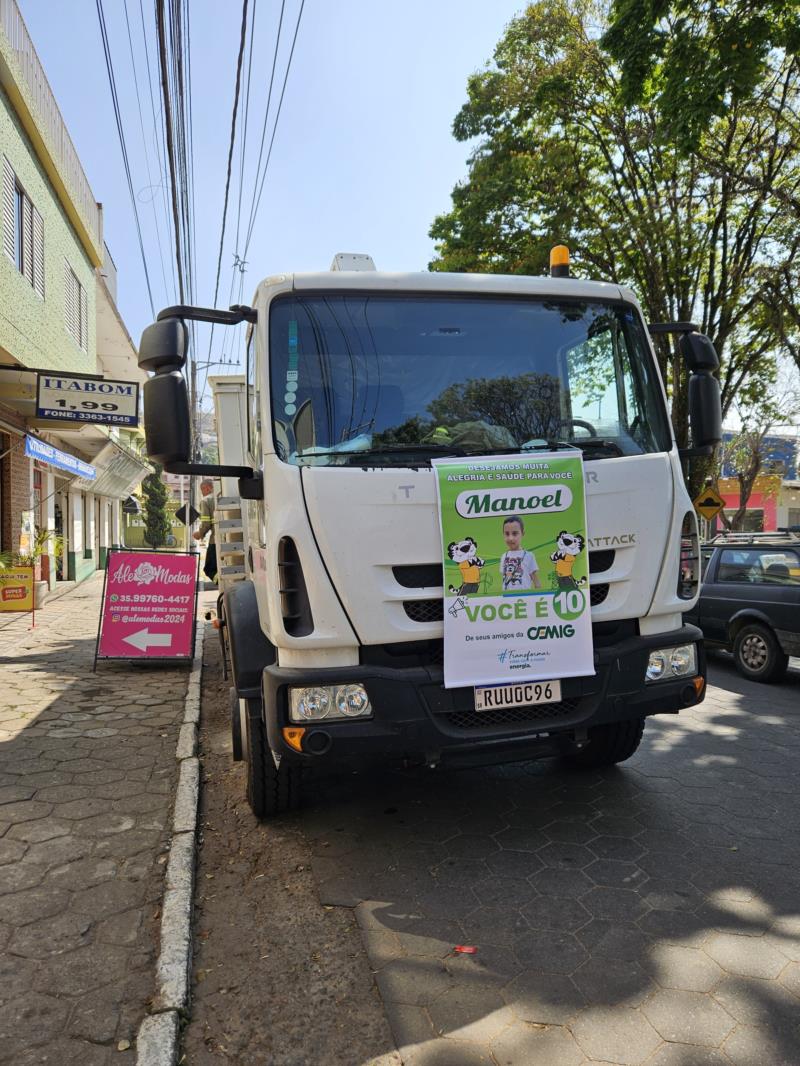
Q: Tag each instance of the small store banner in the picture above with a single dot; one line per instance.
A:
(149, 606)
(16, 589)
(78, 398)
(47, 453)
(516, 568)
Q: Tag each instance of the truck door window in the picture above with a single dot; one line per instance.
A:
(387, 373)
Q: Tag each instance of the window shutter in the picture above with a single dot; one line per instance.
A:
(84, 342)
(9, 185)
(27, 239)
(70, 303)
(38, 253)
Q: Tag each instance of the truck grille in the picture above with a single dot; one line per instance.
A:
(543, 715)
(419, 575)
(597, 594)
(601, 561)
(424, 610)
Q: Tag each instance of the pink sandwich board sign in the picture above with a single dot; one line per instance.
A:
(149, 606)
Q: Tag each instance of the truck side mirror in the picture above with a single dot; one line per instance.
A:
(705, 407)
(167, 422)
(164, 346)
(167, 425)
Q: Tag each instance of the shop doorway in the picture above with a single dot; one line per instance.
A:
(61, 509)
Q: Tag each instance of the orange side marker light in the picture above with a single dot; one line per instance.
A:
(294, 737)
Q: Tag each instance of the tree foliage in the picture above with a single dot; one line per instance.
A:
(697, 58)
(157, 526)
(702, 236)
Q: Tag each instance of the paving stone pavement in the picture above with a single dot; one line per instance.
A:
(87, 778)
(648, 914)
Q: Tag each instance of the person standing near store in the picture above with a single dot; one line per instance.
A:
(207, 507)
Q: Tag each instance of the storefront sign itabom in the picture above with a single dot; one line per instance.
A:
(73, 398)
(516, 569)
(46, 453)
(149, 606)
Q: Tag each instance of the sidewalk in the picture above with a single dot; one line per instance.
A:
(87, 777)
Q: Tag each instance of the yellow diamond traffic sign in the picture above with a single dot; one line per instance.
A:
(708, 503)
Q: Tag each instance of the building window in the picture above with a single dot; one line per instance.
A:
(23, 230)
(75, 308)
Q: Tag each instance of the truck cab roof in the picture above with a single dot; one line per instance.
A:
(436, 282)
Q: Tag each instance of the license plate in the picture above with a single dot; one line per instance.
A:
(521, 694)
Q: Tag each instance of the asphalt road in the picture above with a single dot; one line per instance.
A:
(648, 914)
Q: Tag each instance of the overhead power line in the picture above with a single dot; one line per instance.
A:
(170, 140)
(144, 149)
(257, 200)
(121, 133)
(239, 60)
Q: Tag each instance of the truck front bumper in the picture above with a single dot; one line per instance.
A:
(416, 719)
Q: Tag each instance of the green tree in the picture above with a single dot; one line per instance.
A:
(698, 58)
(156, 520)
(700, 237)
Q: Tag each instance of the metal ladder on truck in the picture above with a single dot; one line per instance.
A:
(230, 416)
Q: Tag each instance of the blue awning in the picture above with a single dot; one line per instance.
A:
(46, 453)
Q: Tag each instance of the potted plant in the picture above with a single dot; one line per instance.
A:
(39, 559)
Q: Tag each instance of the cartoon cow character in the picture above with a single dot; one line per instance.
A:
(568, 548)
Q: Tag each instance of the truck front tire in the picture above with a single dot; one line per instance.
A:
(608, 744)
(271, 789)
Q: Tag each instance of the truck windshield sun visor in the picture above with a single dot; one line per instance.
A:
(385, 378)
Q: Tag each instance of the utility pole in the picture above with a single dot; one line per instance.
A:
(196, 430)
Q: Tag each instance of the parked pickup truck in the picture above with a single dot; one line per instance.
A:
(750, 601)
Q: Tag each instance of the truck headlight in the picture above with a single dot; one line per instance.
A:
(665, 664)
(329, 702)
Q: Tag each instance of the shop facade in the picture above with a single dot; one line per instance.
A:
(64, 479)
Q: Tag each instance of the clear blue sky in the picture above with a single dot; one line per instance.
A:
(364, 157)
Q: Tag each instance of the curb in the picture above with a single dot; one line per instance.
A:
(157, 1040)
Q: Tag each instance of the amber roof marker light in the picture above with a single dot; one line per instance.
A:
(559, 261)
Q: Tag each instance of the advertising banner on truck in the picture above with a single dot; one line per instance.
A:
(516, 572)
(148, 608)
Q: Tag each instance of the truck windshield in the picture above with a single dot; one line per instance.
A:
(394, 379)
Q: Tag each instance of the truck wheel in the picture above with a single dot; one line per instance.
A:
(758, 655)
(271, 790)
(608, 744)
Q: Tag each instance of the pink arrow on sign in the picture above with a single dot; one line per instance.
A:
(144, 639)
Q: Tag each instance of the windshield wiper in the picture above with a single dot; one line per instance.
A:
(387, 451)
(590, 444)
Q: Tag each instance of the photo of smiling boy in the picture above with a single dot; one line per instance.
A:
(518, 567)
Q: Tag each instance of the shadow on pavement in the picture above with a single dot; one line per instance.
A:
(611, 911)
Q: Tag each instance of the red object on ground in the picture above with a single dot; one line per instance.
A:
(465, 949)
(149, 605)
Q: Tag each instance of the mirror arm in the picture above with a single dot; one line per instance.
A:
(238, 313)
(210, 470)
(696, 453)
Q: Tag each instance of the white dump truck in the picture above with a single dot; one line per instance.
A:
(354, 381)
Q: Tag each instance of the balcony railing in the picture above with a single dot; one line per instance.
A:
(50, 122)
